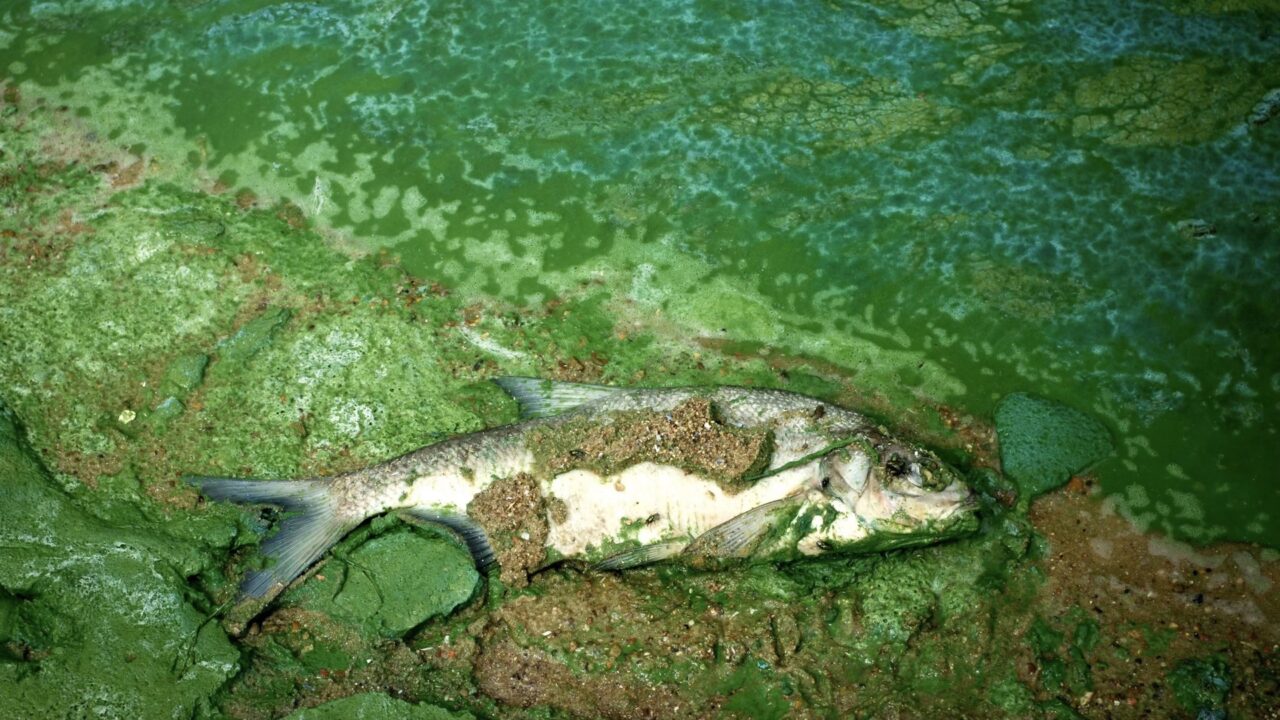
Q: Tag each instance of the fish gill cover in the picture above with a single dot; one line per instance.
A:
(912, 209)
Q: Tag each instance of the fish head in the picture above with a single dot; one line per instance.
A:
(887, 496)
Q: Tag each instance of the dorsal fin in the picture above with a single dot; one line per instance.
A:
(543, 398)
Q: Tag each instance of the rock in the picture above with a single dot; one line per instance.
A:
(253, 336)
(1267, 108)
(1043, 442)
(392, 583)
(183, 375)
(1196, 229)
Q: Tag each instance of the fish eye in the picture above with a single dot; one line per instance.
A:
(896, 465)
(826, 482)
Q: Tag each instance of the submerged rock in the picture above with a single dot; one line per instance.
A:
(391, 583)
(254, 336)
(1201, 686)
(1043, 442)
(1267, 108)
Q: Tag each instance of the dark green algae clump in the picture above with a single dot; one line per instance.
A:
(179, 332)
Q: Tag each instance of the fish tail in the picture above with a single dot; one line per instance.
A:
(310, 525)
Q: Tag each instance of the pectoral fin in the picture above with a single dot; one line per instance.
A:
(643, 555)
(737, 537)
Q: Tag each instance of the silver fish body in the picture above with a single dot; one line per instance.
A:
(828, 480)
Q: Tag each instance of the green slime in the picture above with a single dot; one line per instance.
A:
(1043, 443)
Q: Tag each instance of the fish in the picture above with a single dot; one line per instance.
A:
(620, 478)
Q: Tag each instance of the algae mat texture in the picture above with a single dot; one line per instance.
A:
(260, 239)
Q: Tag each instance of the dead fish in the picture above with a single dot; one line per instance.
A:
(828, 480)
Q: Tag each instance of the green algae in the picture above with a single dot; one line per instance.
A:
(105, 293)
(1146, 101)
(1043, 442)
(98, 619)
(751, 695)
(810, 186)
(1060, 656)
(850, 116)
(348, 627)
(1202, 686)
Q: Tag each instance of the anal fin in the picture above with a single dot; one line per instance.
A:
(474, 536)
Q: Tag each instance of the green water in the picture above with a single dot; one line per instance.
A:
(951, 201)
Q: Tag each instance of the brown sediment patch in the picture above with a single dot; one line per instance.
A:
(526, 678)
(291, 215)
(87, 467)
(340, 663)
(689, 437)
(557, 510)
(976, 436)
(128, 176)
(1157, 602)
(589, 652)
(514, 514)
(576, 369)
(603, 646)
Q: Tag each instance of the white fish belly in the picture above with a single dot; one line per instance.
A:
(675, 504)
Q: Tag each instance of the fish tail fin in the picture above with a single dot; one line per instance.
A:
(310, 525)
(544, 398)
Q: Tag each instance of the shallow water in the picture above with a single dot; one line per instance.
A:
(1051, 197)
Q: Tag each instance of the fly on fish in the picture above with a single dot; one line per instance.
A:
(627, 477)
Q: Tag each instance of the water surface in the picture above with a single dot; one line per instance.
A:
(959, 201)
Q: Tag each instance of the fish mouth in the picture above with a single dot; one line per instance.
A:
(969, 505)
